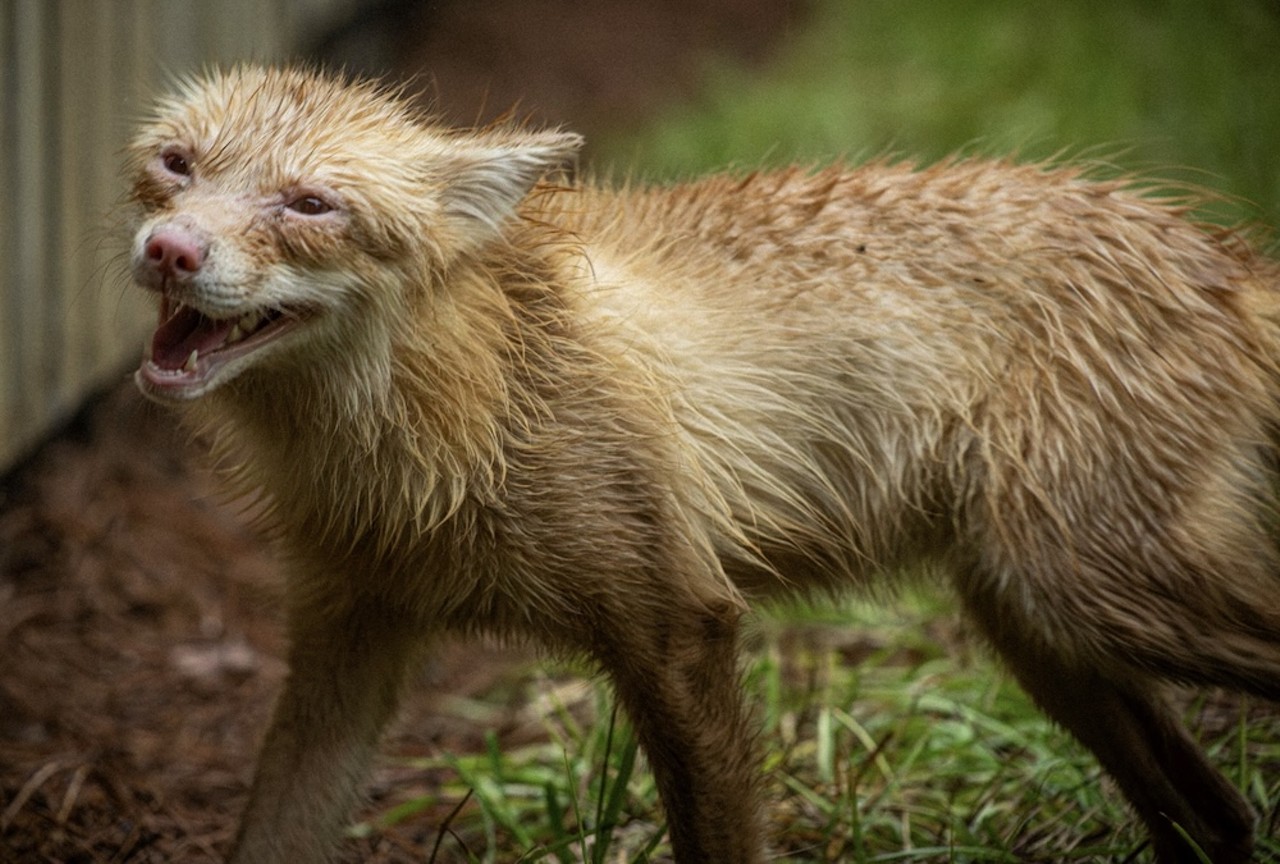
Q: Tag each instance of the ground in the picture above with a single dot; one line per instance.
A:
(140, 635)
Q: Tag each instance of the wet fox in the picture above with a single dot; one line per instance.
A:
(481, 395)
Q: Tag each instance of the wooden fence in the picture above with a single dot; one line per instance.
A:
(74, 77)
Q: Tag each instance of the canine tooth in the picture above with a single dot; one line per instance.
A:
(190, 365)
(236, 334)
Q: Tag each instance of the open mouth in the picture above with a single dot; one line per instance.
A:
(190, 350)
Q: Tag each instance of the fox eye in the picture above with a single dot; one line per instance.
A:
(176, 163)
(309, 205)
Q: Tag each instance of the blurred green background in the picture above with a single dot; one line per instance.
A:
(1183, 90)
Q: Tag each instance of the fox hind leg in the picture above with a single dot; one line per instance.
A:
(1135, 736)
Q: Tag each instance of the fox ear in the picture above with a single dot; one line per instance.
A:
(486, 181)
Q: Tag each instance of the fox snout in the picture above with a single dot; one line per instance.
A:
(170, 256)
(173, 253)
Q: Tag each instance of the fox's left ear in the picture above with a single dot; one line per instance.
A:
(488, 176)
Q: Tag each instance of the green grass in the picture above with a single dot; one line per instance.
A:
(886, 738)
(575, 796)
(912, 754)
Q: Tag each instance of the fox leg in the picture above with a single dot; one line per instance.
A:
(677, 677)
(344, 682)
(1134, 735)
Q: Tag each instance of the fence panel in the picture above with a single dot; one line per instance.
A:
(75, 75)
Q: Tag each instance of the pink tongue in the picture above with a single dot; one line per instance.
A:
(186, 331)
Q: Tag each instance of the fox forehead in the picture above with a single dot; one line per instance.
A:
(278, 127)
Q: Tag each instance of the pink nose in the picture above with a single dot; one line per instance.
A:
(174, 252)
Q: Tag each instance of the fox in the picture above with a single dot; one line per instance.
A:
(481, 391)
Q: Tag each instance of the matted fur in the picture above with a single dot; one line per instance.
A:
(608, 419)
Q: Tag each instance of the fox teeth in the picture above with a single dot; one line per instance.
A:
(190, 365)
(246, 324)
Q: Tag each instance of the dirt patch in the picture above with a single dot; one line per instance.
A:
(140, 636)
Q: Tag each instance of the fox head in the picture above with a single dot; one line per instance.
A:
(271, 208)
